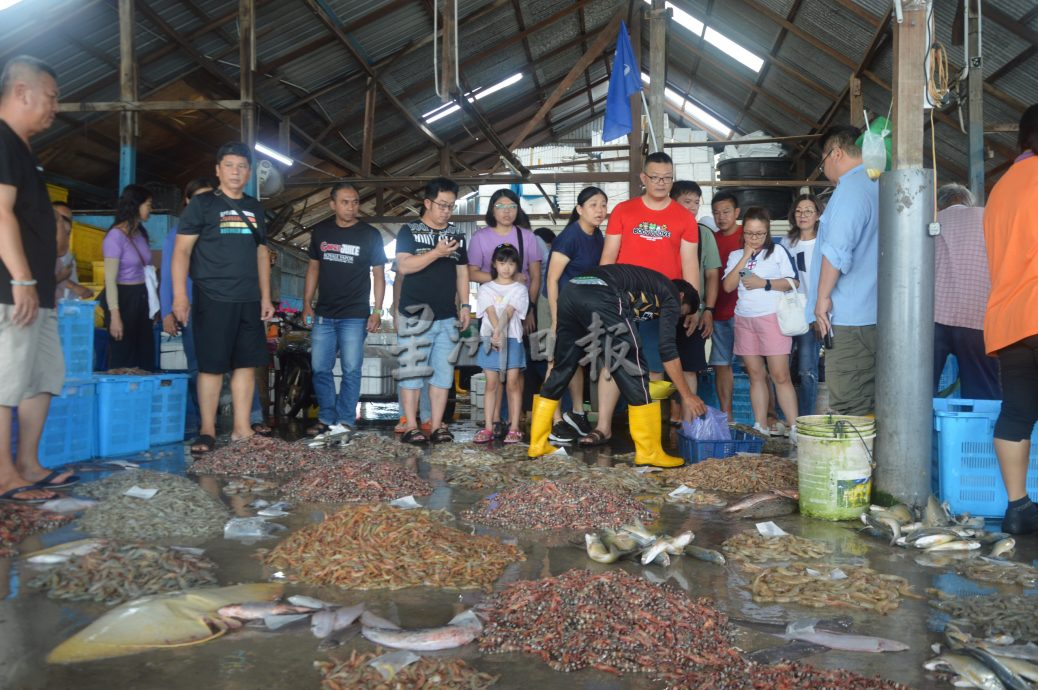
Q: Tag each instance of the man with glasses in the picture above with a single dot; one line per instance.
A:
(435, 264)
(843, 278)
(725, 207)
(655, 232)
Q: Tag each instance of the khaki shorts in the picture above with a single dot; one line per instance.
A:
(30, 357)
(850, 370)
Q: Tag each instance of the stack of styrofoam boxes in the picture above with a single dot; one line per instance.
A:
(171, 353)
(693, 163)
(477, 389)
(374, 377)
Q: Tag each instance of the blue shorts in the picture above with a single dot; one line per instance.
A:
(490, 359)
(649, 332)
(723, 343)
(425, 357)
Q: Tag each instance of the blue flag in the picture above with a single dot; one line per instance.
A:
(625, 81)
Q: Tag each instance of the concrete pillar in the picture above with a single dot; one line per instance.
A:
(975, 83)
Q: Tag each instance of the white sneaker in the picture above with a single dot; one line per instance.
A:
(761, 429)
(333, 431)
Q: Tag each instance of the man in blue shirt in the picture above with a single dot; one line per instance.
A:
(842, 298)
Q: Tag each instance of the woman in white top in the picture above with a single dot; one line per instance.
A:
(761, 270)
(803, 230)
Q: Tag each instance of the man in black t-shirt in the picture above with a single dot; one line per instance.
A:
(222, 239)
(436, 265)
(345, 254)
(31, 363)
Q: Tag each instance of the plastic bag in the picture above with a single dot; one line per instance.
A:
(875, 145)
(713, 426)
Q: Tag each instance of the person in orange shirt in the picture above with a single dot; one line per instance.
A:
(1011, 323)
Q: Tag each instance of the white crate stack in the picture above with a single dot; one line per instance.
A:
(375, 376)
(477, 389)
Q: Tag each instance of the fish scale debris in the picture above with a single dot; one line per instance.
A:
(738, 475)
(116, 573)
(550, 505)
(356, 673)
(18, 522)
(381, 547)
(179, 510)
(614, 622)
(822, 586)
(751, 546)
(356, 481)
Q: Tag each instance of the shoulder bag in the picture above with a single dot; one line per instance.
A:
(792, 318)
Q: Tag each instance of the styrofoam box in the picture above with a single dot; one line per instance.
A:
(171, 354)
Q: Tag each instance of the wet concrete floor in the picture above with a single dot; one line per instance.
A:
(31, 624)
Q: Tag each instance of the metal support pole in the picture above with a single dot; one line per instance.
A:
(127, 92)
(657, 71)
(904, 356)
(247, 65)
(975, 82)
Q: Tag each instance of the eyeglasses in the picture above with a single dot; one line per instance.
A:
(821, 166)
(805, 212)
(505, 207)
(656, 179)
(443, 205)
(755, 235)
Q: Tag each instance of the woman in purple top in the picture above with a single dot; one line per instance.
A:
(131, 342)
(507, 224)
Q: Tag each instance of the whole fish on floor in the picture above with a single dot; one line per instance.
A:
(806, 631)
(967, 668)
(460, 630)
(764, 504)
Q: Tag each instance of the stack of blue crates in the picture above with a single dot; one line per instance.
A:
(964, 466)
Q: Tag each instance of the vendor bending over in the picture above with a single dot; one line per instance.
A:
(596, 323)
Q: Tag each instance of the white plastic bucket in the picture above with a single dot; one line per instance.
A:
(834, 457)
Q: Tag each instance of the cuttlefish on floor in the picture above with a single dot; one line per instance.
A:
(156, 622)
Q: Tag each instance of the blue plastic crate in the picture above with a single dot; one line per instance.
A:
(694, 451)
(168, 408)
(123, 415)
(968, 474)
(76, 331)
(742, 410)
(67, 433)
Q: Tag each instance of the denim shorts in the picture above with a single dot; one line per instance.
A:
(490, 359)
(723, 343)
(425, 357)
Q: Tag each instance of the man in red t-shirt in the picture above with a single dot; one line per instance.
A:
(729, 238)
(651, 231)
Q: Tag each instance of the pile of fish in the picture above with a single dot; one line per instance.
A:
(823, 586)
(180, 509)
(687, 496)
(613, 622)
(550, 505)
(381, 547)
(995, 614)
(607, 545)
(764, 504)
(18, 522)
(248, 485)
(464, 455)
(741, 474)
(114, 573)
(1000, 571)
(356, 481)
(481, 478)
(784, 676)
(935, 530)
(373, 447)
(371, 671)
(994, 664)
(755, 547)
(499, 474)
(261, 455)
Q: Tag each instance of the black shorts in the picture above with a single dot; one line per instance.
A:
(1019, 365)
(691, 349)
(228, 335)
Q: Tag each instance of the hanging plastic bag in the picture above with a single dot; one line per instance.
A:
(875, 145)
(713, 426)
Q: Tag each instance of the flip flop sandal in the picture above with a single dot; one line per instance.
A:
(514, 437)
(414, 437)
(483, 436)
(595, 438)
(12, 496)
(262, 429)
(46, 482)
(203, 444)
(442, 435)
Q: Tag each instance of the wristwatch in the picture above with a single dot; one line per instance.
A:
(465, 306)
(767, 285)
(709, 309)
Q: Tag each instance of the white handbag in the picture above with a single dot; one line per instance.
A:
(792, 305)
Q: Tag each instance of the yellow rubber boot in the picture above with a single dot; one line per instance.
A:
(540, 426)
(646, 424)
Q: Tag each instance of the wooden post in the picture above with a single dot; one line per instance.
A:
(367, 148)
(657, 69)
(857, 102)
(127, 92)
(448, 58)
(634, 139)
(909, 84)
(975, 83)
(247, 62)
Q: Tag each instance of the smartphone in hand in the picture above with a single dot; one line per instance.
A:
(827, 341)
